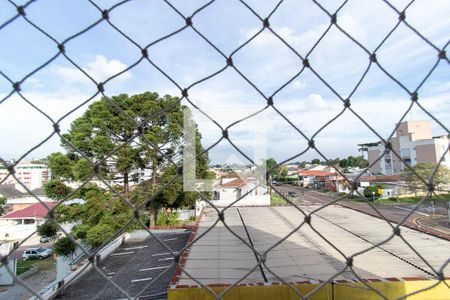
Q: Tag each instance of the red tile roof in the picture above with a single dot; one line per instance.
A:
(229, 175)
(37, 210)
(238, 182)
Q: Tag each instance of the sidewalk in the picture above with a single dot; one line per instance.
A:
(36, 282)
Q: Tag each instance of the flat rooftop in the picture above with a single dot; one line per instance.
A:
(219, 257)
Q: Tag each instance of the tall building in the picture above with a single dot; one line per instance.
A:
(31, 175)
(414, 142)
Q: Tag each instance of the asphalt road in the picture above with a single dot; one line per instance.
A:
(428, 217)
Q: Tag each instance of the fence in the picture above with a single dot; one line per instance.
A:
(102, 18)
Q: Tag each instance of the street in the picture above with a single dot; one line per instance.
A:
(429, 218)
(18, 253)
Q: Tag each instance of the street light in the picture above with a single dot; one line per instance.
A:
(373, 196)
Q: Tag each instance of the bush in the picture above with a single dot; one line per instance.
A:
(64, 247)
(80, 231)
(371, 191)
(98, 234)
(168, 219)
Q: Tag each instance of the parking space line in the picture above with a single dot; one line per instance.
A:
(135, 248)
(154, 268)
(172, 239)
(142, 279)
(164, 253)
(167, 258)
(122, 253)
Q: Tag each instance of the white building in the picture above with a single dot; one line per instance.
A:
(31, 175)
(231, 189)
(415, 144)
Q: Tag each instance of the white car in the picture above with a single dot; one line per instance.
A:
(36, 253)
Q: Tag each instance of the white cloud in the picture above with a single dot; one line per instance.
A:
(100, 69)
(24, 127)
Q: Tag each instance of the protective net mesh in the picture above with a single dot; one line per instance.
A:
(62, 52)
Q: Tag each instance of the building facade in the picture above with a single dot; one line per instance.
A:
(414, 142)
(31, 175)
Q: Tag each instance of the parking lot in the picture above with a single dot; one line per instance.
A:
(132, 267)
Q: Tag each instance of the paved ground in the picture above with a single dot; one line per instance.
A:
(36, 282)
(220, 257)
(430, 217)
(132, 267)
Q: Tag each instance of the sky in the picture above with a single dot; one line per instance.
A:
(53, 92)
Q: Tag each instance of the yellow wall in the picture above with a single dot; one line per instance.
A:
(348, 291)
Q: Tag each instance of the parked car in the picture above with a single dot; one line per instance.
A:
(45, 239)
(292, 194)
(36, 253)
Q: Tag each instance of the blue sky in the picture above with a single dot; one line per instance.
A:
(266, 62)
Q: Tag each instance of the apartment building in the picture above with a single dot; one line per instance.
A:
(31, 175)
(414, 142)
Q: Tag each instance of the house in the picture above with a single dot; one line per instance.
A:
(33, 214)
(414, 143)
(391, 185)
(21, 225)
(230, 189)
(17, 200)
(318, 179)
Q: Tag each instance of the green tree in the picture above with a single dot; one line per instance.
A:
(441, 178)
(103, 129)
(64, 247)
(2, 205)
(315, 161)
(56, 190)
(343, 163)
(118, 146)
(60, 166)
(47, 229)
(271, 170)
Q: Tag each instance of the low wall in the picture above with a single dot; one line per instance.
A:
(390, 288)
(254, 200)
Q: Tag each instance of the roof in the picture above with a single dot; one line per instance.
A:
(37, 210)
(229, 175)
(39, 192)
(315, 173)
(9, 191)
(238, 182)
(222, 258)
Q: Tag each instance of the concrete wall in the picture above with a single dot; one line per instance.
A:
(16, 232)
(426, 153)
(372, 156)
(5, 276)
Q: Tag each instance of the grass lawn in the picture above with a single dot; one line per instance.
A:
(42, 265)
(276, 199)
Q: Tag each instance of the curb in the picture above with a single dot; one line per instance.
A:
(33, 270)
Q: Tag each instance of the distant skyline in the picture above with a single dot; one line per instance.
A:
(266, 62)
